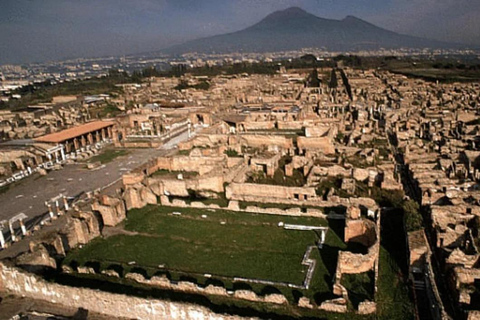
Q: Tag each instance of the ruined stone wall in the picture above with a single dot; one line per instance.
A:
(460, 258)
(176, 187)
(210, 183)
(81, 227)
(138, 174)
(234, 206)
(353, 263)
(201, 165)
(259, 125)
(238, 174)
(331, 171)
(173, 187)
(234, 161)
(360, 231)
(196, 164)
(318, 131)
(187, 286)
(290, 125)
(15, 156)
(287, 212)
(111, 209)
(362, 202)
(139, 144)
(164, 163)
(254, 192)
(465, 276)
(13, 281)
(259, 141)
(138, 196)
(132, 178)
(322, 144)
(204, 140)
(285, 195)
(190, 287)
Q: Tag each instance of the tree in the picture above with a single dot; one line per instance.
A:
(333, 80)
(313, 81)
(413, 218)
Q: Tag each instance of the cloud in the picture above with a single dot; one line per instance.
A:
(448, 20)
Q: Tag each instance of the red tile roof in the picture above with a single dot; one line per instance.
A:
(71, 133)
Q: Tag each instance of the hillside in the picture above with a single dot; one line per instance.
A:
(295, 28)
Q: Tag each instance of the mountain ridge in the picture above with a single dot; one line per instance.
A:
(295, 28)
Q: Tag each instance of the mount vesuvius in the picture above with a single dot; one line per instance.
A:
(294, 28)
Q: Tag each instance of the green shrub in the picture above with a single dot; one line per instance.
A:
(231, 153)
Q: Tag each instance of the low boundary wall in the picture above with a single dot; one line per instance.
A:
(115, 305)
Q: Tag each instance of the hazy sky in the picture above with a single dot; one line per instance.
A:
(40, 30)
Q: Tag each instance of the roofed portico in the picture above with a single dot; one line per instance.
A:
(73, 139)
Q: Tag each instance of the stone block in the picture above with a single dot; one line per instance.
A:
(360, 174)
(338, 305)
(163, 282)
(354, 213)
(233, 205)
(289, 170)
(135, 277)
(246, 295)
(148, 196)
(132, 178)
(187, 286)
(111, 273)
(85, 270)
(275, 298)
(304, 302)
(219, 291)
(367, 307)
(37, 260)
(133, 199)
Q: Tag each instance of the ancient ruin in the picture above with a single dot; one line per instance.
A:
(301, 178)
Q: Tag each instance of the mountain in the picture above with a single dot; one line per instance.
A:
(295, 28)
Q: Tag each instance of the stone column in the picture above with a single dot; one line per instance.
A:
(57, 208)
(65, 204)
(22, 226)
(12, 232)
(49, 206)
(90, 138)
(2, 239)
(68, 146)
(62, 153)
(97, 136)
(76, 144)
(103, 134)
(109, 132)
(83, 141)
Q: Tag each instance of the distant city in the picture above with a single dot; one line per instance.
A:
(15, 76)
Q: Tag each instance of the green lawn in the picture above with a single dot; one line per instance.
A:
(247, 245)
(393, 297)
(108, 155)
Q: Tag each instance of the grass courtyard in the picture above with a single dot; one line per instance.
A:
(224, 244)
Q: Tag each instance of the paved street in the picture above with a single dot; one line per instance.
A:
(29, 195)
